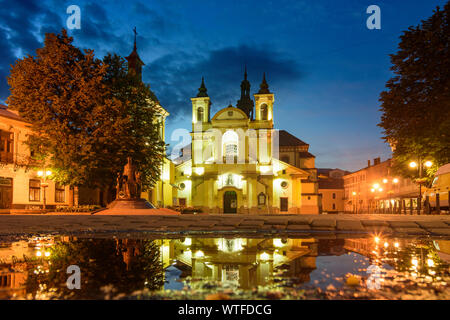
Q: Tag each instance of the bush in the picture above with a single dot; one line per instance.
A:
(81, 208)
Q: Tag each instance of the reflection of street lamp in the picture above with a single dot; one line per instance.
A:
(44, 174)
(413, 165)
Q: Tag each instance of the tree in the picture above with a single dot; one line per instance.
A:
(416, 106)
(140, 136)
(87, 116)
(102, 263)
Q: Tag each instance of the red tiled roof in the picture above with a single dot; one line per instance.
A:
(288, 140)
(8, 113)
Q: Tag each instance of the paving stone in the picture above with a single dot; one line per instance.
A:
(300, 221)
(411, 231)
(403, 224)
(298, 227)
(373, 223)
(252, 223)
(275, 222)
(278, 227)
(321, 224)
(349, 225)
(432, 224)
(440, 232)
(378, 229)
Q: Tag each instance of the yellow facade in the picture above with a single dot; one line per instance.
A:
(21, 188)
(235, 164)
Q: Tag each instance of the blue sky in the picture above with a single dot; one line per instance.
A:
(324, 66)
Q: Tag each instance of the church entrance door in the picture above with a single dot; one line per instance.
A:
(230, 202)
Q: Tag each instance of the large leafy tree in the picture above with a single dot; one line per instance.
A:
(416, 104)
(87, 115)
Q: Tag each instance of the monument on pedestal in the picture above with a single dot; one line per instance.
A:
(129, 188)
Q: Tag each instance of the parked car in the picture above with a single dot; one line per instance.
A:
(441, 186)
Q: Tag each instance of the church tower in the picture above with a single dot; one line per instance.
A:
(264, 103)
(245, 103)
(134, 61)
(201, 105)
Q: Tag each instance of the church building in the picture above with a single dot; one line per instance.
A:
(240, 164)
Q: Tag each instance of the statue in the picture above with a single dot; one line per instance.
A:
(129, 183)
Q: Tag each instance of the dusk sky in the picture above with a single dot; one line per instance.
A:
(325, 67)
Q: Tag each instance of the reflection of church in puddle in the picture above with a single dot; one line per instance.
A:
(246, 263)
(238, 163)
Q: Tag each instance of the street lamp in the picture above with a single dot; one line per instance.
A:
(413, 165)
(44, 174)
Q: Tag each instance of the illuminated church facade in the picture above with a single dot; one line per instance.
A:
(240, 164)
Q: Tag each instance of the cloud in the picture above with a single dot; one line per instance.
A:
(176, 77)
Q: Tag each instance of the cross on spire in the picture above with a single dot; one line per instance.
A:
(135, 34)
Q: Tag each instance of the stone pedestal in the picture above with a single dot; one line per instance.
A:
(123, 204)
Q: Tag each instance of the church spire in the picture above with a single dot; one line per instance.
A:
(202, 91)
(134, 61)
(264, 87)
(245, 103)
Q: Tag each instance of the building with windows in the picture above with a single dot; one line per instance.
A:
(240, 164)
(331, 189)
(376, 189)
(22, 185)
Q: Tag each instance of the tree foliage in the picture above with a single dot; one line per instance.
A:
(416, 105)
(87, 115)
(103, 263)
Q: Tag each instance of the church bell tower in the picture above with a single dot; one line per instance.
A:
(134, 61)
(264, 103)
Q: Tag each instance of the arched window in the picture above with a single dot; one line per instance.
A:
(230, 141)
(200, 114)
(264, 112)
(261, 199)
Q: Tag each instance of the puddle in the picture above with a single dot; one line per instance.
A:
(225, 268)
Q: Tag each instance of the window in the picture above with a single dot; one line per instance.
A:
(334, 195)
(261, 199)
(182, 202)
(231, 150)
(230, 141)
(59, 192)
(35, 190)
(264, 112)
(6, 146)
(283, 204)
(334, 206)
(200, 114)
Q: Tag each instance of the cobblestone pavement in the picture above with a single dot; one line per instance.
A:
(340, 224)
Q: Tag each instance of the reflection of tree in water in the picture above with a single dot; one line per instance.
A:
(102, 262)
(420, 257)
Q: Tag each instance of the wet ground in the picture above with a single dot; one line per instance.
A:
(204, 267)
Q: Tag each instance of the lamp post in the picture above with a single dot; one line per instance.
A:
(420, 165)
(44, 174)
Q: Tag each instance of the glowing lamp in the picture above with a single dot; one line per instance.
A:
(199, 170)
(395, 180)
(428, 164)
(413, 164)
(199, 254)
(264, 256)
(40, 173)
